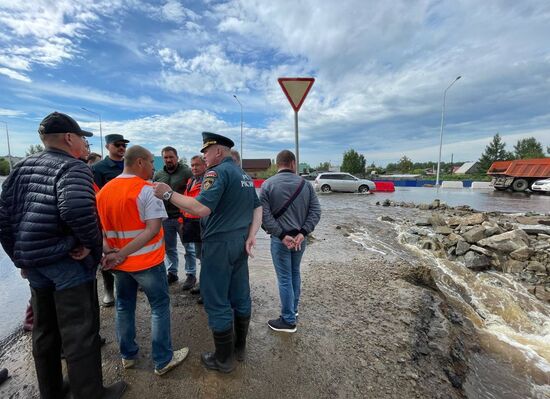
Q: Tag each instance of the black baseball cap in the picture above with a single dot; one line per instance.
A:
(56, 122)
(113, 138)
(209, 139)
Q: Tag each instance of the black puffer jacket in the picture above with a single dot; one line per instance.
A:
(47, 208)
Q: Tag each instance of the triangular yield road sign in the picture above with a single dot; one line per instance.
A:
(296, 90)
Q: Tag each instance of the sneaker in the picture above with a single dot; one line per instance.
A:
(172, 278)
(297, 314)
(177, 358)
(281, 325)
(128, 363)
(189, 283)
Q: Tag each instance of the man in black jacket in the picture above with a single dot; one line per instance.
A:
(49, 228)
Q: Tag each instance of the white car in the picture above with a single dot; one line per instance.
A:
(332, 181)
(541, 185)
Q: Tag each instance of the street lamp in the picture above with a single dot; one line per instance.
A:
(234, 95)
(441, 130)
(100, 129)
(9, 150)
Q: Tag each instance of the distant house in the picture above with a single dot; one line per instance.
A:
(429, 171)
(254, 166)
(467, 168)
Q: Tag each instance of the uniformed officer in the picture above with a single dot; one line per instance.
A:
(231, 215)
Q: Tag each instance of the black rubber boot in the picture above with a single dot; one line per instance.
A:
(3, 375)
(241, 331)
(223, 359)
(109, 288)
(46, 344)
(78, 319)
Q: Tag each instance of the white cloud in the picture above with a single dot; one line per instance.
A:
(10, 112)
(209, 71)
(174, 11)
(181, 130)
(88, 94)
(14, 75)
(46, 33)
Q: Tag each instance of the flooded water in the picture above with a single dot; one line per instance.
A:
(513, 326)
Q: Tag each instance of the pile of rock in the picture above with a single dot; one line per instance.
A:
(511, 244)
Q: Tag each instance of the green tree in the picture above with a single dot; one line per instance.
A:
(405, 164)
(4, 167)
(33, 149)
(353, 162)
(323, 167)
(528, 148)
(494, 151)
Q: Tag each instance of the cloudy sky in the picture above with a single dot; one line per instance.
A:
(161, 72)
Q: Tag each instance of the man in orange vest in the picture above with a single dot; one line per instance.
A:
(191, 226)
(133, 243)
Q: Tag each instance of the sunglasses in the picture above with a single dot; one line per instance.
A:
(119, 145)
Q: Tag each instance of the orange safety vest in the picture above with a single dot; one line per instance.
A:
(121, 223)
(192, 189)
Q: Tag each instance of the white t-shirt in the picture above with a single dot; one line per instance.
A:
(149, 206)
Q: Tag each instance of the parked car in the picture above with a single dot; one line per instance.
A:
(345, 182)
(541, 185)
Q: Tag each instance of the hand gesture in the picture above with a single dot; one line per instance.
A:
(298, 242)
(79, 253)
(249, 245)
(160, 189)
(289, 242)
(111, 260)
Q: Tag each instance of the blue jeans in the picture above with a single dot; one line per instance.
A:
(172, 228)
(155, 285)
(66, 273)
(287, 268)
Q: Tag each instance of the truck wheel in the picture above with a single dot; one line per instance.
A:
(520, 185)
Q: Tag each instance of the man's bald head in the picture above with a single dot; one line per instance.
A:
(134, 153)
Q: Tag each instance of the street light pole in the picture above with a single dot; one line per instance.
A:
(441, 130)
(8, 139)
(100, 128)
(234, 95)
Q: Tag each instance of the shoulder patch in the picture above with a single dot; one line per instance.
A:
(211, 173)
(207, 183)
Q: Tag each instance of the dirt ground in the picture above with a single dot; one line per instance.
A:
(370, 326)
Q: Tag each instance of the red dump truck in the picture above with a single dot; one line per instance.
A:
(520, 174)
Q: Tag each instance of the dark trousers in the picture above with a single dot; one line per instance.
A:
(224, 282)
(67, 318)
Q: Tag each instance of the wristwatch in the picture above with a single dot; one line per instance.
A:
(167, 195)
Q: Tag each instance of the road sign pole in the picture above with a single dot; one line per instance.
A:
(297, 143)
(296, 90)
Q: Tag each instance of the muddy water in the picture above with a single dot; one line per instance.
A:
(513, 326)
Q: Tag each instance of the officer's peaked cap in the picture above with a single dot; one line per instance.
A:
(209, 139)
